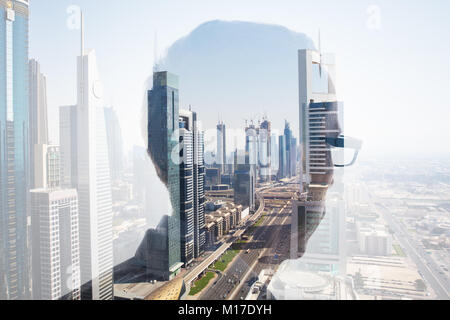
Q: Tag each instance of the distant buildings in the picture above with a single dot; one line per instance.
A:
(15, 253)
(291, 152)
(282, 167)
(373, 239)
(287, 154)
(212, 177)
(265, 150)
(221, 155)
(244, 182)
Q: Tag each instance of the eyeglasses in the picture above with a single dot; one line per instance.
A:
(342, 144)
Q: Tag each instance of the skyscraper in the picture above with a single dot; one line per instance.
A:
(54, 230)
(164, 257)
(38, 114)
(94, 184)
(199, 184)
(15, 253)
(221, 155)
(317, 76)
(265, 149)
(251, 152)
(244, 180)
(56, 250)
(274, 156)
(186, 188)
(288, 138)
(319, 114)
(293, 160)
(282, 172)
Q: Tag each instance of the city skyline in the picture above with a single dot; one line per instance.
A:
(165, 202)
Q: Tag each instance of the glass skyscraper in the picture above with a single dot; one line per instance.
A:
(221, 155)
(15, 254)
(163, 123)
(186, 187)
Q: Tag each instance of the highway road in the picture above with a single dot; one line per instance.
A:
(228, 241)
(241, 270)
(277, 250)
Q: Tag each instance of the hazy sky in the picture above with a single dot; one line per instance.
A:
(392, 71)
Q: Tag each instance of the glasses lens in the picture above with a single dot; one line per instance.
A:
(343, 157)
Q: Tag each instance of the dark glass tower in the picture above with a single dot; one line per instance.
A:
(15, 253)
(163, 124)
(282, 157)
(288, 137)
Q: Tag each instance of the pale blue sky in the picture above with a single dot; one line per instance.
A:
(394, 81)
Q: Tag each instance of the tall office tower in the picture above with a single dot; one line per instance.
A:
(282, 172)
(199, 192)
(55, 231)
(319, 114)
(244, 181)
(115, 143)
(163, 122)
(38, 114)
(221, 155)
(265, 149)
(56, 249)
(15, 253)
(68, 146)
(94, 184)
(288, 138)
(251, 152)
(188, 122)
(293, 155)
(186, 188)
(274, 156)
(316, 84)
